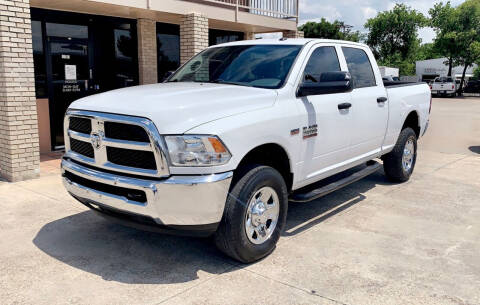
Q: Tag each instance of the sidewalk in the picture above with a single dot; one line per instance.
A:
(50, 163)
(371, 243)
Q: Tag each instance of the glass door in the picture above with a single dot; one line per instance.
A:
(81, 55)
(69, 72)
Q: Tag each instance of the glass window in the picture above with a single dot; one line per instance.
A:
(39, 60)
(360, 67)
(220, 36)
(168, 49)
(323, 59)
(263, 66)
(67, 30)
(444, 79)
(125, 52)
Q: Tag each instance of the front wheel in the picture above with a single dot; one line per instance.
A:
(254, 216)
(400, 162)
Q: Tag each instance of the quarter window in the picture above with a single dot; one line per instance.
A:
(359, 67)
(323, 59)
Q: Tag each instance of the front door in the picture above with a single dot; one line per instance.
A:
(327, 128)
(70, 68)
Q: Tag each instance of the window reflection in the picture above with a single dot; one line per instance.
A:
(359, 67)
(39, 60)
(323, 59)
(125, 52)
(262, 66)
(220, 36)
(168, 49)
(67, 30)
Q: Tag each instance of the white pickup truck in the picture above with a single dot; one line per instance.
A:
(444, 86)
(236, 133)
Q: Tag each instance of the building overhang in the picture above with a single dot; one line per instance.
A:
(171, 11)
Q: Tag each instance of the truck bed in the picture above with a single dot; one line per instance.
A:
(389, 84)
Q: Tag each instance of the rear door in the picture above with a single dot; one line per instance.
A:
(325, 129)
(369, 111)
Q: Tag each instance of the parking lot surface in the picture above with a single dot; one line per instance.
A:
(371, 243)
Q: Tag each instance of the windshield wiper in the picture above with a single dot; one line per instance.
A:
(221, 81)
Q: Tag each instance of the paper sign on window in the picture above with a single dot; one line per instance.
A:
(70, 72)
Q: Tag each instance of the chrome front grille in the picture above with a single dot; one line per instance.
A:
(131, 158)
(115, 142)
(82, 125)
(128, 132)
(82, 148)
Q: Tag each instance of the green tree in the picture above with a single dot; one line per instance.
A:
(330, 30)
(393, 37)
(427, 51)
(444, 20)
(468, 36)
(476, 73)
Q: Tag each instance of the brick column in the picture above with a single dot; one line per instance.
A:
(19, 147)
(249, 36)
(293, 34)
(193, 35)
(147, 51)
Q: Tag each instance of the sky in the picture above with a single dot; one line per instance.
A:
(356, 12)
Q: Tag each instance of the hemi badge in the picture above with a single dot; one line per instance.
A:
(310, 131)
(294, 132)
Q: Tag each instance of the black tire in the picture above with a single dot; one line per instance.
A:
(231, 237)
(392, 162)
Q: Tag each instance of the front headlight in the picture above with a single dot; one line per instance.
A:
(193, 150)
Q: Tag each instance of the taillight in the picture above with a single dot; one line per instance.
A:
(431, 101)
(453, 87)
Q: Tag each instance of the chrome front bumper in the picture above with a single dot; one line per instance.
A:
(174, 201)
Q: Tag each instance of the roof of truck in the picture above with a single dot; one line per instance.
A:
(283, 41)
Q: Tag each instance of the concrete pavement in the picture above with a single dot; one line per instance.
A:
(371, 243)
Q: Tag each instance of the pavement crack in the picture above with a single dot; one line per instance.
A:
(308, 291)
(232, 266)
(447, 164)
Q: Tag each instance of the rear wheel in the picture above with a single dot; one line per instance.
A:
(400, 162)
(254, 216)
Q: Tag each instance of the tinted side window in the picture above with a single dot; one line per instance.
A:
(323, 59)
(359, 67)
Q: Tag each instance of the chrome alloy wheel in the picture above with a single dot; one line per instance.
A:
(408, 155)
(262, 215)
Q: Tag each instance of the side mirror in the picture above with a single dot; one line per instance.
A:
(167, 75)
(329, 82)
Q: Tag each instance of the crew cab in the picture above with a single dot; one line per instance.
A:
(445, 86)
(237, 133)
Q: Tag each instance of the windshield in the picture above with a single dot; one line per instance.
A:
(262, 66)
(444, 79)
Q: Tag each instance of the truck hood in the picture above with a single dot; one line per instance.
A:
(178, 107)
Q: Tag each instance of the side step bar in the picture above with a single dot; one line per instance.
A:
(371, 167)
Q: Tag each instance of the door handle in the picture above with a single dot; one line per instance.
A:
(382, 99)
(343, 106)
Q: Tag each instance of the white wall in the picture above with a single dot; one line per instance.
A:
(438, 67)
(388, 71)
